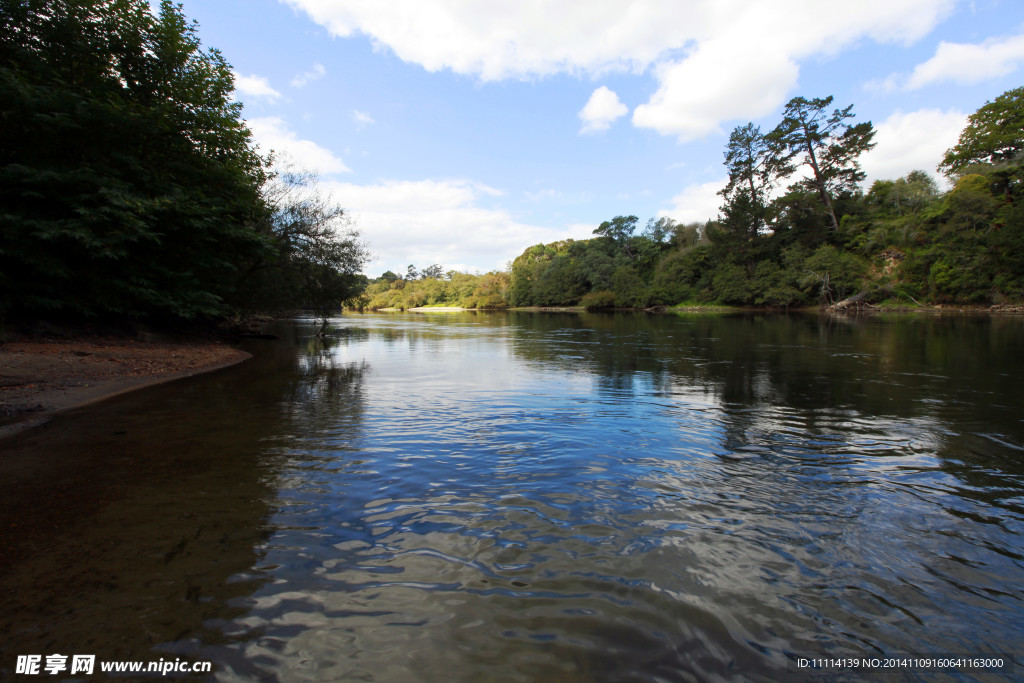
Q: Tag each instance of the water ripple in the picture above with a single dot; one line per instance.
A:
(656, 501)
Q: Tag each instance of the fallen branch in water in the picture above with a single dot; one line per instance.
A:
(846, 303)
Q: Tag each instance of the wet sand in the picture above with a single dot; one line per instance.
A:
(41, 377)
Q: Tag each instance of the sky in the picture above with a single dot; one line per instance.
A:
(460, 133)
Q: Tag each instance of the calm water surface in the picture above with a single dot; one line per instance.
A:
(536, 497)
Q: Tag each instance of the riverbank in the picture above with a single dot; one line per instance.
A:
(42, 377)
(862, 309)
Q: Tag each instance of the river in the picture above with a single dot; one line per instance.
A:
(538, 497)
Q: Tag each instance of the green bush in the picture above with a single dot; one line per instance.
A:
(730, 285)
(599, 300)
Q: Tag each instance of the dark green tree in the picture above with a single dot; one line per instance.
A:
(434, 272)
(994, 134)
(675, 278)
(619, 230)
(558, 284)
(751, 161)
(907, 195)
(826, 143)
(629, 288)
(660, 230)
(688, 235)
(596, 266)
(526, 271)
(128, 181)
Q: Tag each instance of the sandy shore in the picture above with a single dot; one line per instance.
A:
(39, 378)
(436, 309)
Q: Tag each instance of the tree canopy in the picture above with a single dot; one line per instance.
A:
(994, 134)
(752, 164)
(129, 184)
(826, 143)
(902, 243)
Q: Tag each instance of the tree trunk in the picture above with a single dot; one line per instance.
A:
(846, 303)
(820, 182)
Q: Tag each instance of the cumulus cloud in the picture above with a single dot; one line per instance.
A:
(318, 71)
(696, 203)
(715, 60)
(273, 133)
(694, 97)
(911, 141)
(440, 221)
(966, 63)
(601, 110)
(747, 67)
(254, 86)
(510, 38)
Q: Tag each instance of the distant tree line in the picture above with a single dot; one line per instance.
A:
(130, 185)
(431, 287)
(822, 238)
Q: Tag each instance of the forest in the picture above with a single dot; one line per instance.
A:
(130, 186)
(818, 240)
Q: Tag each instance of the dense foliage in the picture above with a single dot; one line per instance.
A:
(432, 288)
(821, 240)
(619, 268)
(993, 135)
(129, 184)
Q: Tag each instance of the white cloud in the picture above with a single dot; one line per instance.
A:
(440, 221)
(749, 65)
(601, 110)
(911, 141)
(696, 203)
(273, 133)
(313, 74)
(362, 118)
(255, 86)
(511, 38)
(965, 63)
(694, 96)
(715, 60)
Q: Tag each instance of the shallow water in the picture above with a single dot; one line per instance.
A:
(464, 497)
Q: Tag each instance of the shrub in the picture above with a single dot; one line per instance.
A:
(596, 301)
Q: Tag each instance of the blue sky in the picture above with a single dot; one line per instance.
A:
(460, 132)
